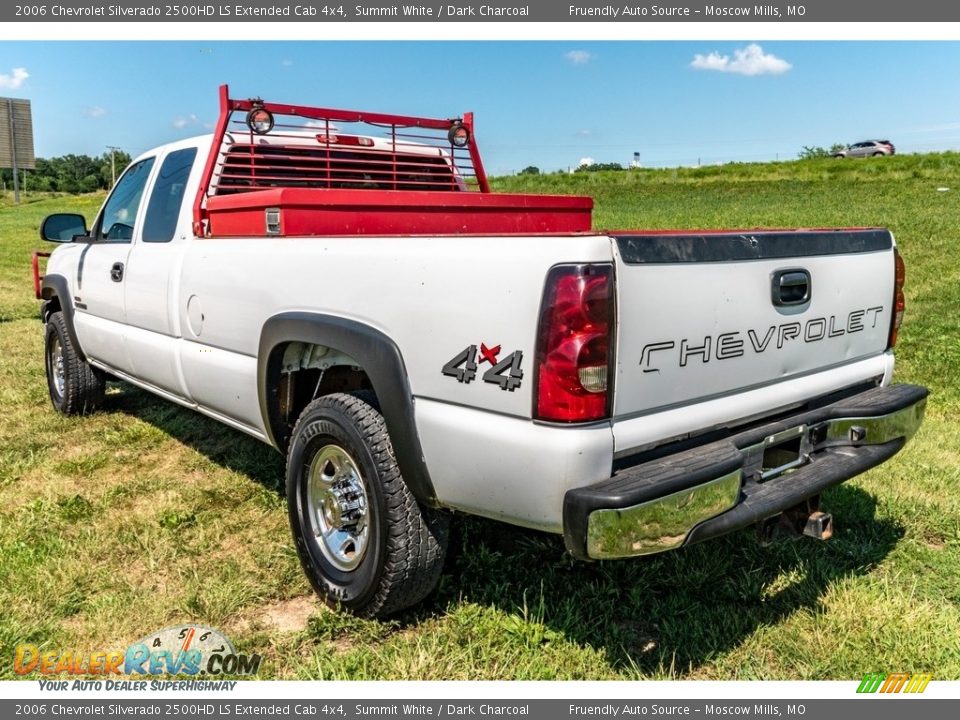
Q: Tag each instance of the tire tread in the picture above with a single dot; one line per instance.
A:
(415, 536)
(84, 385)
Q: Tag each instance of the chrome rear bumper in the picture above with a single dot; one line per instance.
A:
(718, 487)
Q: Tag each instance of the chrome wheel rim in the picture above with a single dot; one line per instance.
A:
(57, 371)
(338, 507)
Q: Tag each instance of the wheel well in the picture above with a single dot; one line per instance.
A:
(374, 361)
(298, 373)
(49, 307)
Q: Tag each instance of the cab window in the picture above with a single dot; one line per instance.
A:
(120, 212)
(166, 198)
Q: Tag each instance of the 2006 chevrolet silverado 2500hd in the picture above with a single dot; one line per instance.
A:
(343, 286)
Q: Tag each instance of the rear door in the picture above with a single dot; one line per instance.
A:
(708, 315)
(861, 150)
(153, 275)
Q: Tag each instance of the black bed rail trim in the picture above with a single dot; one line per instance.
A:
(658, 248)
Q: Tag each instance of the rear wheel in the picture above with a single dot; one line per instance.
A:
(363, 540)
(878, 154)
(75, 386)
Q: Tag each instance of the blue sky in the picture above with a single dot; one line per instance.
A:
(548, 104)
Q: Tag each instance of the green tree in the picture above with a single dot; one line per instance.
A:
(120, 161)
(594, 167)
(71, 173)
(813, 152)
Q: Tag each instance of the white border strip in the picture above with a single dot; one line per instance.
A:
(494, 30)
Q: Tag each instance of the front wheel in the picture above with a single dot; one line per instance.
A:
(363, 540)
(76, 387)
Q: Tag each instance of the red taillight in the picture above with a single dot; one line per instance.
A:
(575, 345)
(899, 301)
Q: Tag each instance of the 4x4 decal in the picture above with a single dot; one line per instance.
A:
(506, 373)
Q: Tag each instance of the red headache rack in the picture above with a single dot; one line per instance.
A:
(293, 170)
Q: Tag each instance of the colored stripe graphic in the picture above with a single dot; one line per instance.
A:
(894, 683)
(871, 682)
(918, 683)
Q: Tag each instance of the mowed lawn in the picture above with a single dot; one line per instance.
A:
(147, 515)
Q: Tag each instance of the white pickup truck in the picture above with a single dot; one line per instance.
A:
(343, 286)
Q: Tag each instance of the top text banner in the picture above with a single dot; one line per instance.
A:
(873, 11)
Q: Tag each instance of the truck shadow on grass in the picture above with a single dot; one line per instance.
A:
(669, 614)
(663, 615)
(220, 444)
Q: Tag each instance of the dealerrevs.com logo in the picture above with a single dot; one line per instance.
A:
(178, 650)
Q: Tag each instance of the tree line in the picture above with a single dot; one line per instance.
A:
(813, 152)
(587, 167)
(69, 173)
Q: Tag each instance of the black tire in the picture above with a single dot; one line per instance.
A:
(879, 154)
(397, 561)
(76, 387)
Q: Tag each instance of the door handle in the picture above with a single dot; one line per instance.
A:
(791, 287)
(116, 272)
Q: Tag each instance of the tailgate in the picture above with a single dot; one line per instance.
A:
(703, 315)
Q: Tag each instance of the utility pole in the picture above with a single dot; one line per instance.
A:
(13, 152)
(113, 165)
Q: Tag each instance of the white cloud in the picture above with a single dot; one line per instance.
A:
(579, 57)
(14, 79)
(287, 62)
(583, 133)
(184, 121)
(751, 60)
(94, 112)
(586, 161)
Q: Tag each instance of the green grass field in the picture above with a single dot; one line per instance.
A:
(147, 515)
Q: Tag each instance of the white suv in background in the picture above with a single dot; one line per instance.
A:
(867, 148)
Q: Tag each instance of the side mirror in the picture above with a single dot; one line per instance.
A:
(62, 227)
